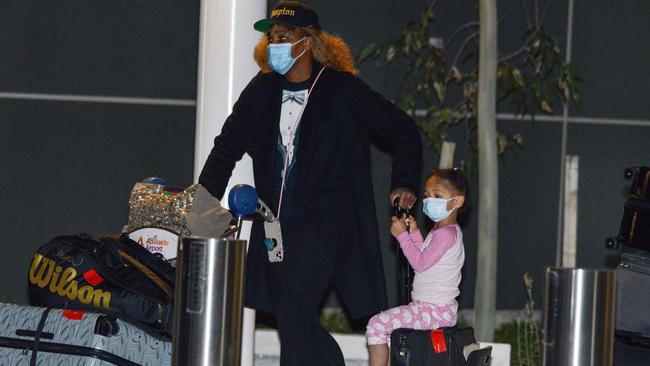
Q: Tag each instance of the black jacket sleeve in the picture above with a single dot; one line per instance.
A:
(393, 125)
(230, 145)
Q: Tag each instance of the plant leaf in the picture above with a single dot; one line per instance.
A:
(368, 51)
(440, 90)
(545, 106)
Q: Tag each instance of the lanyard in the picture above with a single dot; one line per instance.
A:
(290, 144)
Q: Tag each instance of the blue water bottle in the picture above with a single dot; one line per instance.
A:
(242, 201)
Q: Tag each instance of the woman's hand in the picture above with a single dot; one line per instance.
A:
(397, 226)
(406, 197)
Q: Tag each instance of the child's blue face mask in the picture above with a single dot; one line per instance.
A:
(280, 58)
(436, 208)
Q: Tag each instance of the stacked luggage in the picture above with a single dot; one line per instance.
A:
(104, 301)
(107, 301)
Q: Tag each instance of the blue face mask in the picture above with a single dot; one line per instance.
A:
(436, 208)
(280, 58)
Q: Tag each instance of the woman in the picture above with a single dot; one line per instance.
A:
(306, 122)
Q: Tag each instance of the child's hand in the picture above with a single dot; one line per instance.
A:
(397, 226)
(412, 224)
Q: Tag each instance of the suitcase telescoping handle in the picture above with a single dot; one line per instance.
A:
(403, 267)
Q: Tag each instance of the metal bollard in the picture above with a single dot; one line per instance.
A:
(578, 317)
(208, 302)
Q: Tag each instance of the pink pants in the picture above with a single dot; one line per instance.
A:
(415, 315)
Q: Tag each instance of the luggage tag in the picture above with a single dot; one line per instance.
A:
(273, 241)
(438, 341)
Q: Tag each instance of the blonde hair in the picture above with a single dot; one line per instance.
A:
(327, 49)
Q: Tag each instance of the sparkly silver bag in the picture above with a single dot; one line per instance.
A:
(190, 212)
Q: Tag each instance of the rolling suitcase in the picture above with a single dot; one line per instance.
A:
(32, 336)
(439, 347)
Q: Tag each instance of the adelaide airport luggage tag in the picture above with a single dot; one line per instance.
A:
(273, 240)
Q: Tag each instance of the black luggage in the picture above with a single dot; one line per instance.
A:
(115, 276)
(633, 310)
(632, 289)
(632, 329)
(439, 347)
(634, 230)
(629, 352)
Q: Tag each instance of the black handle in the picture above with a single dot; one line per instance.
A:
(552, 311)
(396, 209)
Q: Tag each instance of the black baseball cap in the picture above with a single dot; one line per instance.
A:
(291, 13)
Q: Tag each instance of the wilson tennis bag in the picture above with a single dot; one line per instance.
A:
(115, 276)
(438, 347)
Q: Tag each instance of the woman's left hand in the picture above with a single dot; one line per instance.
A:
(406, 197)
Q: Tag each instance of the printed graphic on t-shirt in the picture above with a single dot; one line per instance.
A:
(292, 104)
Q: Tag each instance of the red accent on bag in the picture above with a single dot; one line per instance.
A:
(74, 314)
(93, 277)
(438, 341)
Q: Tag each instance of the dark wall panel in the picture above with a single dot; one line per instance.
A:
(604, 152)
(362, 22)
(610, 51)
(529, 179)
(124, 48)
(70, 167)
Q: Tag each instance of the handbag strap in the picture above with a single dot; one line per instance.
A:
(149, 274)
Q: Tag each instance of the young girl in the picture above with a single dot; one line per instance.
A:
(436, 260)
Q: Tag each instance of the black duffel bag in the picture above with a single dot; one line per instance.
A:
(116, 276)
(438, 347)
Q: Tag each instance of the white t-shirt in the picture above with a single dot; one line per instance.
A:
(437, 261)
(292, 104)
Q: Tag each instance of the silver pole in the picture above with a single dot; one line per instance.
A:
(208, 302)
(578, 317)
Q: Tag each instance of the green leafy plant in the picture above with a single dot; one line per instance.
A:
(441, 82)
(335, 321)
(523, 334)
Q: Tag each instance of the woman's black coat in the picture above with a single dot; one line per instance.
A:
(333, 190)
